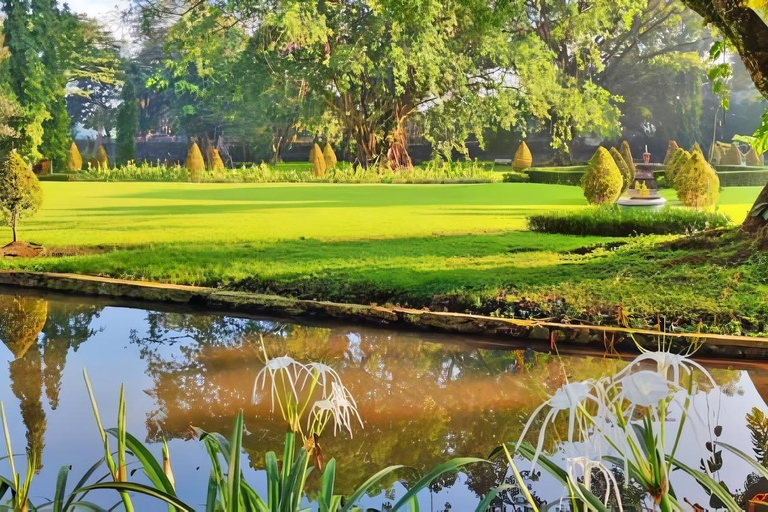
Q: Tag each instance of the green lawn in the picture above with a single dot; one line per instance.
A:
(376, 243)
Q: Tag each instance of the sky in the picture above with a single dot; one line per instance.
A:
(96, 7)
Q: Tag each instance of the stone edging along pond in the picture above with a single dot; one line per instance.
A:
(607, 338)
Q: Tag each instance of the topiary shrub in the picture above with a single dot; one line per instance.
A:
(697, 183)
(623, 169)
(603, 181)
(672, 148)
(731, 156)
(753, 159)
(318, 162)
(74, 160)
(102, 160)
(626, 153)
(195, 164)
(679, 159)
(695, 147)
(329, 156)
(523, 158)
(717, 154)
(20, 192)
(215, 163)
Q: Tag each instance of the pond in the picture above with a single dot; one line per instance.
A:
(423, 398)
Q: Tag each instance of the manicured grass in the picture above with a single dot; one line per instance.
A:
(455, 246)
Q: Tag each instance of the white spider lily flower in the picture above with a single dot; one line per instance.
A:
(324, 376)
(645, 388)
(571, 397)
(585, 465)
(339, 406)
(666, 363)
(284, 369)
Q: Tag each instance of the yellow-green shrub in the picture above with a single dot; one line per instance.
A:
(603, 181)
(215, 163)
(753, 158)
(627, 155)
(329, 156)
(623, 169)
(672, 148)
(697, 183)
(318, 162)
(731, 156)
(74, 160)
(523, 158)
(102, 160)
(695, 147)
(679, 159)
(195, 164)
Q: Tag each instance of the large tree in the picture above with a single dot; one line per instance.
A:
(9, 109)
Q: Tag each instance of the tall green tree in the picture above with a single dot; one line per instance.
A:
(127, 123)
(9, 109)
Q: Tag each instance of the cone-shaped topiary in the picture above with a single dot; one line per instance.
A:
(627, 154)
(602, 182)
(623, 169)
(679, 159)
(329, 156)
(74, 160)
(523, 158)
(717, 154)
(318, 162)
(102, 160)
(195, 164)
(215, 163)
(731, 156)
(672, 148)
(695, 147)
(752, 158)
(20, 192)
(697, 183)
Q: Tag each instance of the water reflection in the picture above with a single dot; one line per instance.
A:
(422, 401)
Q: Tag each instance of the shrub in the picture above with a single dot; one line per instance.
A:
(696, 147)
(329, 156)
(627, 154)
(102, 160)
(697, 183)
(731, 156)
(717, 154)
(743, 178)
(672, 148)
(617, 221)
(74, 160)
(516, 177)
(678, 160)
(623, 169)
(318, 162)
(602, 183)
(753, 159)
(523, 158)
(557, 175)
(195, 164)
(215, 163)
(20, 192)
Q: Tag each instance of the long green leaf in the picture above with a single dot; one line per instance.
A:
(273, 480)
(61, 486)
(367, 485)
(445, 467)
(88, 505)
(326, 488)
(483, 506)
(151, 467)
(709, 483)
(234, 473)
(141, 489)
(756, 465)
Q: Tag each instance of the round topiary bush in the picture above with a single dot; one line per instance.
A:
(523, 158)
(102, 160)
(195, 164)
(329, 156)
(679, 159)
(623, 169)
(318, 162)
(697, 183)
(672, 148)
(603, 181)
(74, 160)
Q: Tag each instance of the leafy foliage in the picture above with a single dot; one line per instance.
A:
(20, 192)
(603, 181)
(626, 174)
(697, 183)
(757, 423)
(672, 148)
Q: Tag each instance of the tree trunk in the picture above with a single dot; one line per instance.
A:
(745, 31)
(14, 223)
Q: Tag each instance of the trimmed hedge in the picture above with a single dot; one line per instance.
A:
(740, 168)
(743, 178)
(557, 175)
(60, 176)
(616, 221)
(516, 177)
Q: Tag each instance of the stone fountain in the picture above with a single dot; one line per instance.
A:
(644, 192)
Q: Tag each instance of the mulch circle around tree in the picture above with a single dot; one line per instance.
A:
(21, 250)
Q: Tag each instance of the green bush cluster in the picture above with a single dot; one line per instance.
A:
(696, 183)
(617, 221)
(603, 181)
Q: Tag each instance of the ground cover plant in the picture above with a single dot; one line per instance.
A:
(619, 222)
(458, 247)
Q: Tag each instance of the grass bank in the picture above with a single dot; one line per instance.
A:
(458, 247)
